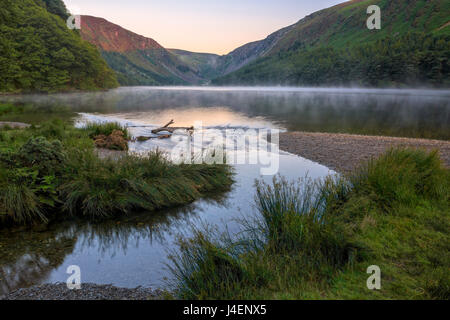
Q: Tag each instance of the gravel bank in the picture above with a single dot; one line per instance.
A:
(88, 291)
(344, 152)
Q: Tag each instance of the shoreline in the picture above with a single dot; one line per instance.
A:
(88, 291)
(345, 152)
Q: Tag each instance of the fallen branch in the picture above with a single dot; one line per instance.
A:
(171, 129)
(168, 124)
(167, 128)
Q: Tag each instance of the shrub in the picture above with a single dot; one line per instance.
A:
(47, 157)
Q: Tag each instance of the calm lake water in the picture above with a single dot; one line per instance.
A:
(132, 251)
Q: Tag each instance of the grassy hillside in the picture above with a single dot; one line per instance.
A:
(316, 240)
(39, 53)
(344, 25)
(334, 47)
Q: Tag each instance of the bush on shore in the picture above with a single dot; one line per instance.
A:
(316, 239)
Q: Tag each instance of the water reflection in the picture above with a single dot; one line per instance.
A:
(29, 256)
(413, 113)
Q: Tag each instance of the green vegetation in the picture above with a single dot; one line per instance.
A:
(51, 170)
(96, 129)
(39, 53)
(334, 47)
(412, 59)
(315, 240)
(54, 6)
(140, 68)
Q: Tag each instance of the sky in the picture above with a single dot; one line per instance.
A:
(213, 26)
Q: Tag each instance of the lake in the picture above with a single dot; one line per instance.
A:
(132, 250)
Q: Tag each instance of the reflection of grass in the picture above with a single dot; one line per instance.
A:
(51, 169)
(33, 114)
(315, 240)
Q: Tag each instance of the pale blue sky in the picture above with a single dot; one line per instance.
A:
(201, 25)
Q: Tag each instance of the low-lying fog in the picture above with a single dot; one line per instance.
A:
(398, 112)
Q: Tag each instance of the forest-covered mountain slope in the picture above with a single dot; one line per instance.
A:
(334, 47)
(39, 53)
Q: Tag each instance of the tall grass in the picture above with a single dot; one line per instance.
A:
(403, 175)
(315, 239)
(103, 187)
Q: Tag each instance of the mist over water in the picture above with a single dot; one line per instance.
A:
(405, 113)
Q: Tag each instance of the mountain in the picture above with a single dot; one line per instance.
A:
(39, 53)
(249, 52)
(204, 64)
(136, 59)
(334, 47)
(139, 60)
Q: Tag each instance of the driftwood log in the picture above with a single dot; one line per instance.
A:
(167, 128)
(171, 129)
